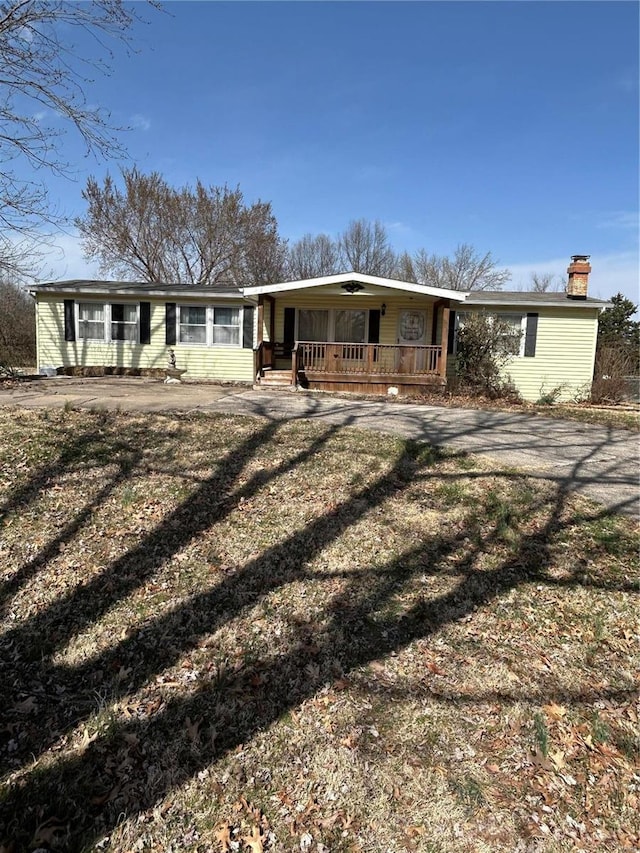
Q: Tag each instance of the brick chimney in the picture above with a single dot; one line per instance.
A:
(578, 270)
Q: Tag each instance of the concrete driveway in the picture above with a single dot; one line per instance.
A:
(598, 462)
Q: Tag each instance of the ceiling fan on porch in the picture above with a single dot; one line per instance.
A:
(352, 287)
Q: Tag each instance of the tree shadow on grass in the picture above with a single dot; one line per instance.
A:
(357, 627)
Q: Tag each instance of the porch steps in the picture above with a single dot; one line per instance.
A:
(275, 379)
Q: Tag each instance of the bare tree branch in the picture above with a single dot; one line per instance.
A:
(45, 90)
(150, 231)
(364, 247)
(312, 257)
(546, 282)
(466, 270)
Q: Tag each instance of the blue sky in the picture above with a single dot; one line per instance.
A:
(511, 126)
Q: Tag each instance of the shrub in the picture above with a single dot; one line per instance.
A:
(486, 344)
(614, 365)
(551, 396)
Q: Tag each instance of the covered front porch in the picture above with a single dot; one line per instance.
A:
(352, 333)
(340, 366)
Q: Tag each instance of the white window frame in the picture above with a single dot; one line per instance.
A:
(239, 327)
(106, 314)
(331, 323)
(109, 311)
(210, 316)
(207, 336)
(495, 315)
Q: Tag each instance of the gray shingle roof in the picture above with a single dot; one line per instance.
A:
(136, 287)
(521, 297)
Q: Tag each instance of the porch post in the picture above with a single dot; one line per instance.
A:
(272, 318)
(444, 340)
(260, 319)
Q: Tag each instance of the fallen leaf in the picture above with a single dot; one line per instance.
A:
(253, 841)
(556, 712)
(47, 831)
(26, 706)
(223, 837)
(415, 831)
(538, 758)
(557, 759)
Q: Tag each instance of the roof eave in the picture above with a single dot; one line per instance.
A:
(556, 303)
(182, 292)
(343, 278)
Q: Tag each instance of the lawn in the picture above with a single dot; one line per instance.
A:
(227, 634)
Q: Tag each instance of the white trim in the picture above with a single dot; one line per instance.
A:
(209, 342)
(372, 280)
(106, 313)
(132, 292)
(535, 303)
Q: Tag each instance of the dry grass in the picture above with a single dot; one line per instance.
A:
(223, 634)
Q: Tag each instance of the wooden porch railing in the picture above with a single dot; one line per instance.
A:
(262, 357)
(372, 359)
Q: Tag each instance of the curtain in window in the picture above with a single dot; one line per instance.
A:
(193, 324)
(512, 331)
(313, 325)
(226, 326)
(124, 322)
(91, 321)
(350, 326)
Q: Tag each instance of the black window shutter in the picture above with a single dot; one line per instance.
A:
(170, 324)
(452, 331)
(531, 335)
(247, 327)
(69, 320)
(374, 326)
(145, 322)
(289, 327)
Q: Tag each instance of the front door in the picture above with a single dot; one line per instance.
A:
(412, 327)
(412, 332)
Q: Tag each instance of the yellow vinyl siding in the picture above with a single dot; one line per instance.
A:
(200, 362)
(565, 352)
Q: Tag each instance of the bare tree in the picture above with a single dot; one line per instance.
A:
(466, 270)
(150, 231)
(17, 328)
(44, 81)
(263, 257)
(364, 247)
(546, 282)
(405, 268)
(311, 257)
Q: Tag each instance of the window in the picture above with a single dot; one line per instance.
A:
(216, 325)
(313, 325)
(514, 332)
(91, 321)
(193, 324)
(350, 326)
(340, 325)
(514, 328)
(226, 327)
(124, 322)
(113, 321)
